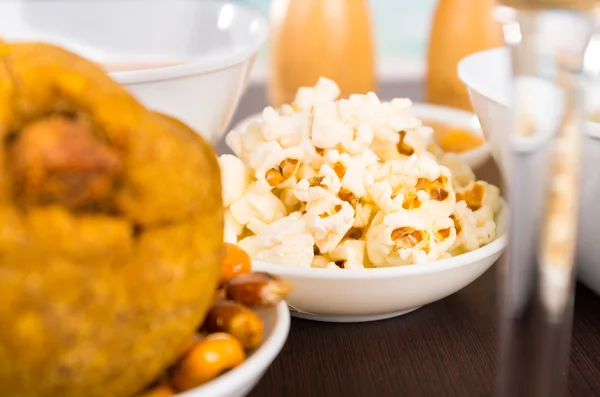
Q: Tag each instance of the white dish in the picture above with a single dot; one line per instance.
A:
(488, 79)
(215, 42)
(241, 380)
(474, 158)
(352, 295)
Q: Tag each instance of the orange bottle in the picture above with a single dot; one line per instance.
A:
(320, 38)
(459, 28)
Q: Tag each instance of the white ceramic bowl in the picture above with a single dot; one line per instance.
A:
(488, 79)
(357, 295)
(241, 380)
(211, 44)
(442, 114)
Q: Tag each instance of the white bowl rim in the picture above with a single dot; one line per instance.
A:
(465, 75)
(256, 364)
(495, 247)
(464, 66)
(200, 66)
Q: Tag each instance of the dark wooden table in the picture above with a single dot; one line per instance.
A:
(447, 348)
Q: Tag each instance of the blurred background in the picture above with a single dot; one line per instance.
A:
(401, 32)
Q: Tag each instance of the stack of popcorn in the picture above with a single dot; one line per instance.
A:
(349, 184)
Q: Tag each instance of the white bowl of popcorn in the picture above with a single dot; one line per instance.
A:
(353, 202)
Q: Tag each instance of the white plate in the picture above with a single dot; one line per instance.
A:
(241, 380)
(353, 295)
(475, 158)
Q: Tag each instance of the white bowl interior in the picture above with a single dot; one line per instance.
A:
(239, 381)
(216, 33)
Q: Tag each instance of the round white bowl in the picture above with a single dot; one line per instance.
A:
(358, 295)
(475, 158)
(241, 380)
(211, 45)
(487, 75)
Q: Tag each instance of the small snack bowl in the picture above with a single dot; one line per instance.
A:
(244, 330)
(355, 203)
(241, 380)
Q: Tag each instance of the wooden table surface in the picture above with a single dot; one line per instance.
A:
(447, 348)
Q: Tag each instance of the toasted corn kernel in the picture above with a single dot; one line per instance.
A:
(257, 289)
(209, 358)
(235, 262)
(235, 319)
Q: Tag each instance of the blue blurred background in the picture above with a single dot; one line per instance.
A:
(401, 34)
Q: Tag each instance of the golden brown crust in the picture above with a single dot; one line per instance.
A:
(60, 160)
(97, 302)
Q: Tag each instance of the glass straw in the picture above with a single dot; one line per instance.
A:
(541, 162)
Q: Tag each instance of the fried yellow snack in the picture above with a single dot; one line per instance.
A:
(111, 230)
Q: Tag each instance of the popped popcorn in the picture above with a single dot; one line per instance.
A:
(286, 240)
(328, 130)
(483, 200)
(235, 178)
(350, 254)
(363, 214)
(406, 143)
(274, 165)
(232, 229)
(328, 219)
(400, 238)
(325, 183)
(418, 184)
(466, 228)
(325, 91)
(350, 184)
(462, 174)
(242, 143)
(354, 172)
(288, 130)
(321, 261)
(257, 209)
